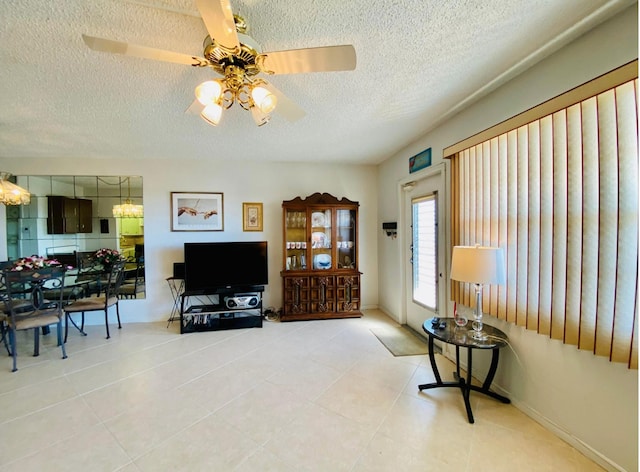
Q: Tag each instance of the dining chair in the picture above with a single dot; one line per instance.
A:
(33, 300)
(109, 290)
(18, 297)
(130, 288)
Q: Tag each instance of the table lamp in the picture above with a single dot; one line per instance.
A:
(478, 265)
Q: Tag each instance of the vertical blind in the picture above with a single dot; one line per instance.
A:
(560, 195)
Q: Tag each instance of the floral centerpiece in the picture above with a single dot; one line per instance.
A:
(33, 263)
(107, 257)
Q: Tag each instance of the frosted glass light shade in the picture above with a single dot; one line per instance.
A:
(264, 99)
(212, 114)
(478, 265)
(259, 116)
(208, 92)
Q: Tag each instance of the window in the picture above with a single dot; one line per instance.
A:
(425, 251)
(557, 188)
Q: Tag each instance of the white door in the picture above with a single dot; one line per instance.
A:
(426, 287)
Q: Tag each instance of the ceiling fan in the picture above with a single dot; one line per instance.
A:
(237, 57)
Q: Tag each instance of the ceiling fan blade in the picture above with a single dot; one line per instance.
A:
(286, 107)
(218, 18)
(118, 47)
(297, 61)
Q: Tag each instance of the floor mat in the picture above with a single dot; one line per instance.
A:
(402, 341)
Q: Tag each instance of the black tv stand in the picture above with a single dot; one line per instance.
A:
(221, 308)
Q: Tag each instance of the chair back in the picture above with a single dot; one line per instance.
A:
(139, 279)
(88, 271)
(17, 287)
(3, 290)
(131, 287)
(111, 285)
(4, 265)
(33, 293)
(86, 262)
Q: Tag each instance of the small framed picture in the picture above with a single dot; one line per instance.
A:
(252, 216)
(420, 161)
(196, 211)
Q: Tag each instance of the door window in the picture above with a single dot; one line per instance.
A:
(425, 250)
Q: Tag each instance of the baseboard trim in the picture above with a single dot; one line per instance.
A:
(573, 441)
(549, 425)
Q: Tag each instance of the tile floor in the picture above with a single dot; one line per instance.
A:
(317, 395)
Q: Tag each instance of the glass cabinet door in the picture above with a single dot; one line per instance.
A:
(346, 243)
(296, 239)
(321, 239)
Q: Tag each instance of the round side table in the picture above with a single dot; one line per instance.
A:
(447, 331)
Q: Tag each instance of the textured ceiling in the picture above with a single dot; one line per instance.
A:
(418, 61)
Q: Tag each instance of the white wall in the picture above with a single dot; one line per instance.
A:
(239, 182)
(587, 400)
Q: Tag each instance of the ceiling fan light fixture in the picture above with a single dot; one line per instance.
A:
(209, 92)
(264, 99)
(237, 57)
(212, 114)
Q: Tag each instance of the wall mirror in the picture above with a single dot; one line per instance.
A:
(70, 214)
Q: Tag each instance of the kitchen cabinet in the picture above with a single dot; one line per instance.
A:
(66, 215)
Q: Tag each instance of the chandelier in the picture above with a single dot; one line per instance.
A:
(128, 209)
(10, 193)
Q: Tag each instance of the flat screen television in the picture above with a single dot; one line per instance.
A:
(211, 266)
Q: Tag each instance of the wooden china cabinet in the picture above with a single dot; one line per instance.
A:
(320, 277)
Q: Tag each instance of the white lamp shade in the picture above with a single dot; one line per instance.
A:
(212, 114)
(259, 116)
(208, 92)
(478, 265)
(264, 99)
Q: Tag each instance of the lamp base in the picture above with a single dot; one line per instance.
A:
(478, 335)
